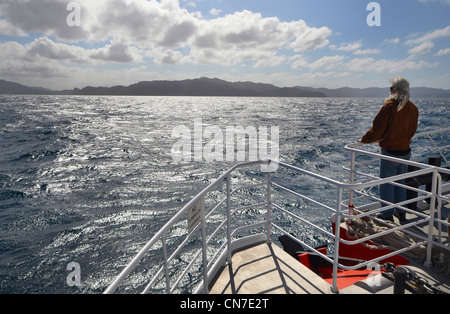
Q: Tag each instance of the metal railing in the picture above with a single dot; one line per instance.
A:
(205, 240)
(439, 149)
(346, 209)
(217, 238)
(436, 194)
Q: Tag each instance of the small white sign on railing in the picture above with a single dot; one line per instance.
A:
(194, 214)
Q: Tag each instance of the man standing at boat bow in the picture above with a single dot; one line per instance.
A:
(393, 128)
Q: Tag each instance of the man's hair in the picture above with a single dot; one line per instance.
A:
(402, 95)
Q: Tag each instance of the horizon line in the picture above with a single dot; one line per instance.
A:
(212, 78)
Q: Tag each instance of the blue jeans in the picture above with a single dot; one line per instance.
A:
(389, 192)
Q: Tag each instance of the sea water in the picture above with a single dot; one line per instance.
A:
(89, 180)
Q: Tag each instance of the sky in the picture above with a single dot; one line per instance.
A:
(62, 44)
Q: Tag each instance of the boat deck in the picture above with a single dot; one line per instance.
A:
(423, 228)
(266, 268)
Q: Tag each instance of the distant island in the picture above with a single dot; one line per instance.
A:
(200, 87)
(216, 87)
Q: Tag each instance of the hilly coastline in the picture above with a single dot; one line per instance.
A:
(200, 87)
(18, 89)
(216, 87)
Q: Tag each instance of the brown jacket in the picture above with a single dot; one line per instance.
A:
(393, 129)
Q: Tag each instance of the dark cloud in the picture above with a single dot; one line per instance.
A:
(41, 16)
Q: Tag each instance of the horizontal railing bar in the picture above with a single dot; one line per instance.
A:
(303, 197)
(252, 186)
(383, 233)
(224, 244)
(384, 208)
(130, 267)
(251, 226)
(249, 206)
(311, 174)
(394, 183)
(362, 174)
(351, 147)
(432, 132)
(344, 267)
(210, 237)
(303, 220)
(177, 282)
(302, 243)
(397, 252)
(362, 163)
(181, 246)
(405, 230)
(222, 202)
(219, 251)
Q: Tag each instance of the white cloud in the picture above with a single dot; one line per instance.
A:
(384, 65)
(239, 37)
(10, 48)
(44, 47)
(443, 52)
(327, 62)
(443, 32)
(298, 62)
(215, 12)
(8, 29)
(136, 31)
(367, 51)
(117, 52)
(191, 4)
(246, 36)
(308, 38)
(393, 41)
(355, 47)
(421, 49)
(269, 60)
(44, 51)
(37, 72)
(446, 2)
(168, 56)
(347, 46)
(425, 43)
(330, 79)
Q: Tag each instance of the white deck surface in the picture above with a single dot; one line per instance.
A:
(266, 268)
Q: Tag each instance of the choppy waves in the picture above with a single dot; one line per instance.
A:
(90, 179)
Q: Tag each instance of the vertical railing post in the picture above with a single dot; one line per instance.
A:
(352, 174)
(229, 216)
(269, 204)
(166, 265)
(439, 207)
(428, 262)
(352, 181)
(204, 253)
(337, 234)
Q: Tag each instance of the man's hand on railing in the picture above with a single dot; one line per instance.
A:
(353, 145)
